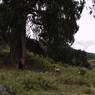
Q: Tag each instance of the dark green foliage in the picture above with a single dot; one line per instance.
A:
(13, 17)
(71, 56)
(35, 46)
(55, 19)
(58, 23)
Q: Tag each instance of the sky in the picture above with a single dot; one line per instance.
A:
(85, 37)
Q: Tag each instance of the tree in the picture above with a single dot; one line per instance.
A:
(53, 17)
(14, 15)
(58, 22)
(35, 46)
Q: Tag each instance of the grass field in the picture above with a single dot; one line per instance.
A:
(44, 77)
(67, 80)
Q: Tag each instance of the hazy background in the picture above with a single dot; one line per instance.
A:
(85, 37)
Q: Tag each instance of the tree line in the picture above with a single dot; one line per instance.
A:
(54, 20)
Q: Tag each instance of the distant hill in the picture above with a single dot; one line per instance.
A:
(91, 56)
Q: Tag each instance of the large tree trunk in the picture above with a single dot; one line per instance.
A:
(17, 49)
(22, 53)
(21, 43)
(12, 44)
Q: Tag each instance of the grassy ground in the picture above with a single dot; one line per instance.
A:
(66, 81)
(44, 77)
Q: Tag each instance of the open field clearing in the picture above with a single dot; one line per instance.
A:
(60, 80)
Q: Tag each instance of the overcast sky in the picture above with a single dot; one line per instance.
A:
(85, 37)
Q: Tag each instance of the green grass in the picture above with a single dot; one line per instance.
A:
(67, 81)
(45, 77)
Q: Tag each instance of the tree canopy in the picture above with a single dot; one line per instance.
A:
(56, 20)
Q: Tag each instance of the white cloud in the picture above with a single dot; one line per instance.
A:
(85, 45)
(91, 49)
(85, 37)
